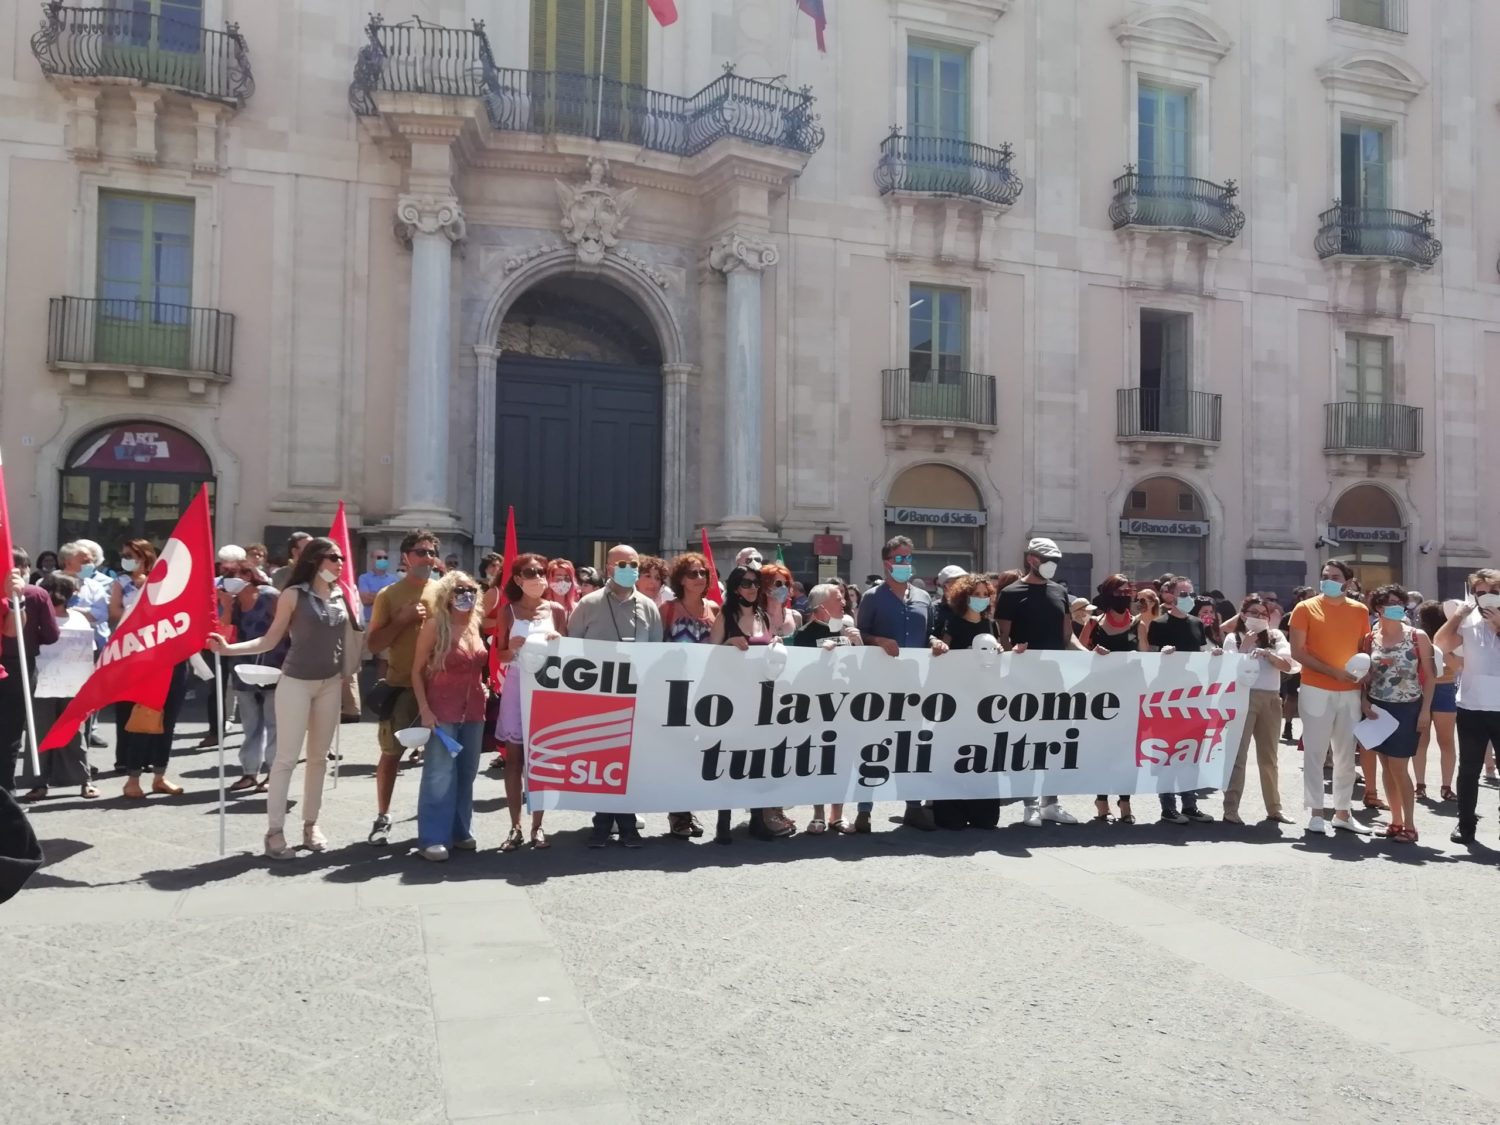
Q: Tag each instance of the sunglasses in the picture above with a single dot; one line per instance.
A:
(465, 590)
(901, 558)
(695, 574)
(532, 572)
(748, 583)
(778, 585)
(423, 553)
(627, 564)
(333, 556)
(380, 558)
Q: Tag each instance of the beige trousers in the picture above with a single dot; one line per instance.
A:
(304, 709)
(1264, 725)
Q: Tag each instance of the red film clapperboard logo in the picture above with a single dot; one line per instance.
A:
(580, 743)
(1184, 726)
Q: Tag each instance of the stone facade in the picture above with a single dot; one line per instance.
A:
(369, 261)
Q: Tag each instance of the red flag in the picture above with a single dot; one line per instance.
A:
(348, 583)
(713, 593)
(169, 622)
(507, 561)
(7, 549)
(814, 8)
(665, 11)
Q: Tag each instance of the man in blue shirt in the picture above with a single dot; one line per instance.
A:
(893, 616)
(374, 580)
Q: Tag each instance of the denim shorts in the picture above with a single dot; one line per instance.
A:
(1445, 699)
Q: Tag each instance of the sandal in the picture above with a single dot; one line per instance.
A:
(840, 827)
(539, 839)
(88, 793)
(243, 784)
(1421, 792)
(1389, 831)
(1126, 816)
(1101, 818)
(816, 827)
(513, 841)
(1408, 835)
(1447, 794)
(263, 786)
(1373, 801)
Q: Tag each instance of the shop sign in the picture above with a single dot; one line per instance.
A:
(828, 544)
(1368, 534)
(1191, 529)
(142, 447)
(935, 517)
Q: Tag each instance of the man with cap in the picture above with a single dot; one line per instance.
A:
(1033, 613)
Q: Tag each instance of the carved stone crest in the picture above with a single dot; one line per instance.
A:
(593, 213)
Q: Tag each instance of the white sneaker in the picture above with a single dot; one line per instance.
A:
(1032, 817)
(1058, 815)
(435, 852)
(1316, 826)
(469, 845)
(1349, 824)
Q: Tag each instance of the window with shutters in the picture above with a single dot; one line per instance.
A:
(145, 281)
(566, 36)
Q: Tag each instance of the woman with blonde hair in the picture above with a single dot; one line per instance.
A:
(447, 678)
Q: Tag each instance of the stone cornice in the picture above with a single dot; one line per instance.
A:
(1175, 31)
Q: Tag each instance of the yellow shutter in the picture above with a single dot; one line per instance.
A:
(565, 37)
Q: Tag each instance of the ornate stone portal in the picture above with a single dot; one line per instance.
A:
(594, 214)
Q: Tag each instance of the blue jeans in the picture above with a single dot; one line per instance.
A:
(1189, 802)
(445, 801)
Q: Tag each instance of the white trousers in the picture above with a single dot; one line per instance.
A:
(304, 708)
(1328, 719)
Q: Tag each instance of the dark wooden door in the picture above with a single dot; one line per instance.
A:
(579, 455)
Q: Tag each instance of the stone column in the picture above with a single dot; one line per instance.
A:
(431, 225)
(485, 419)
(679, 382)
(741, 258)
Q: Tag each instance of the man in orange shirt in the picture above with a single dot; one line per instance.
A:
(1325, 632)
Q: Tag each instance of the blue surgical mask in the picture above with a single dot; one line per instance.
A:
(87, 570)
(979, 605)
(1331, 588)
(464, 601)
(1393, 613)
(1186, 602)
(901, 572)
(780, 593)
(627, 576)
(382, 564)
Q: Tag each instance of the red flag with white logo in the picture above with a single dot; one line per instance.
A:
(339, 533)
(713, 593)
(7, 552)
(168, 623)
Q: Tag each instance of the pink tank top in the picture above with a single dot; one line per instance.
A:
(455, 693)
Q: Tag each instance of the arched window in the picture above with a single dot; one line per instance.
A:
(1371, 536)
(130, 481)
(940, 511)
(1164, 529)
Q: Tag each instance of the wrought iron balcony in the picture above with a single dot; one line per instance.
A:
(108, 333)
(944, 166)
(1177, 203)
(1153, 414)
(424, 59)
(1377, 232)
(111, 43)
(1389, 15)
(1372, 427)
(962, 398)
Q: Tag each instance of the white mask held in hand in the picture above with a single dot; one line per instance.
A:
(988, 649)
(534, 653)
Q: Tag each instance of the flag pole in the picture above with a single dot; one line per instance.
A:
(337, 753)
(219, 696)
(599, 105)
(31, 743)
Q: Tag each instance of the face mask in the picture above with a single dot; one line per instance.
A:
(1256, 624)
(560, 586)
(1487, 601)
(779, 594)
(463, 601)
(1393, 613)
(400, 574)
(422, 572)
(979, 605)
(1331, 588)
(86, 570)
(1048, 570)
(1185, 602)
(627, 576)
(129, 565)
(533, 587)
(329, 576)
(1119, 603)
(234, 585)
(901, 572)
(382, 564)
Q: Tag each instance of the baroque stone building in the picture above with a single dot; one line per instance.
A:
(1163, 281)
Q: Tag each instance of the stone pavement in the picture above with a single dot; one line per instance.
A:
(1068, 974)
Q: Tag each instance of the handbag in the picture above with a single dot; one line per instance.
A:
(144, 720)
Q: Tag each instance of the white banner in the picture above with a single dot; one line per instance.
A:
(667, 727)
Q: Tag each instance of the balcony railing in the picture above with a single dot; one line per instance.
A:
(421, 58)
(1377, 232)
(1153, 414)
(962, 397)
(944, 166)
(1372, 427)
(155, 50)
(1387, 14)
(107, 332)
(1177, 203)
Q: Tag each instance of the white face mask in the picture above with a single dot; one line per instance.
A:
(329, 576)
(234, 585)
(1257, 624)
(560, 586)
(533, 587)
(129, 565)
(1048, 570)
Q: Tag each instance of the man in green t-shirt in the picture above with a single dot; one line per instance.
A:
(395, 620)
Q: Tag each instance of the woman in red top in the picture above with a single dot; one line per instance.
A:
(448, 674)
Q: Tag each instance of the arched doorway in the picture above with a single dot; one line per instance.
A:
(940, 511)
(130, 481)
(1164, 528)
(579, 421)
(1370, 535)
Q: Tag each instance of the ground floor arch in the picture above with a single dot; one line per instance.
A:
(941, 511)
(1367, 530)
(1164, 528)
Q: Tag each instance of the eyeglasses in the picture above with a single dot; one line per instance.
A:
(532, 572)
(423, 553)
(695, 574)
(778, 585)
(901, 558)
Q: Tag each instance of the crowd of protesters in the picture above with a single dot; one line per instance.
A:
(292, 649)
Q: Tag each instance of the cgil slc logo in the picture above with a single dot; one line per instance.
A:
(580, 743)
(1183, 727)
